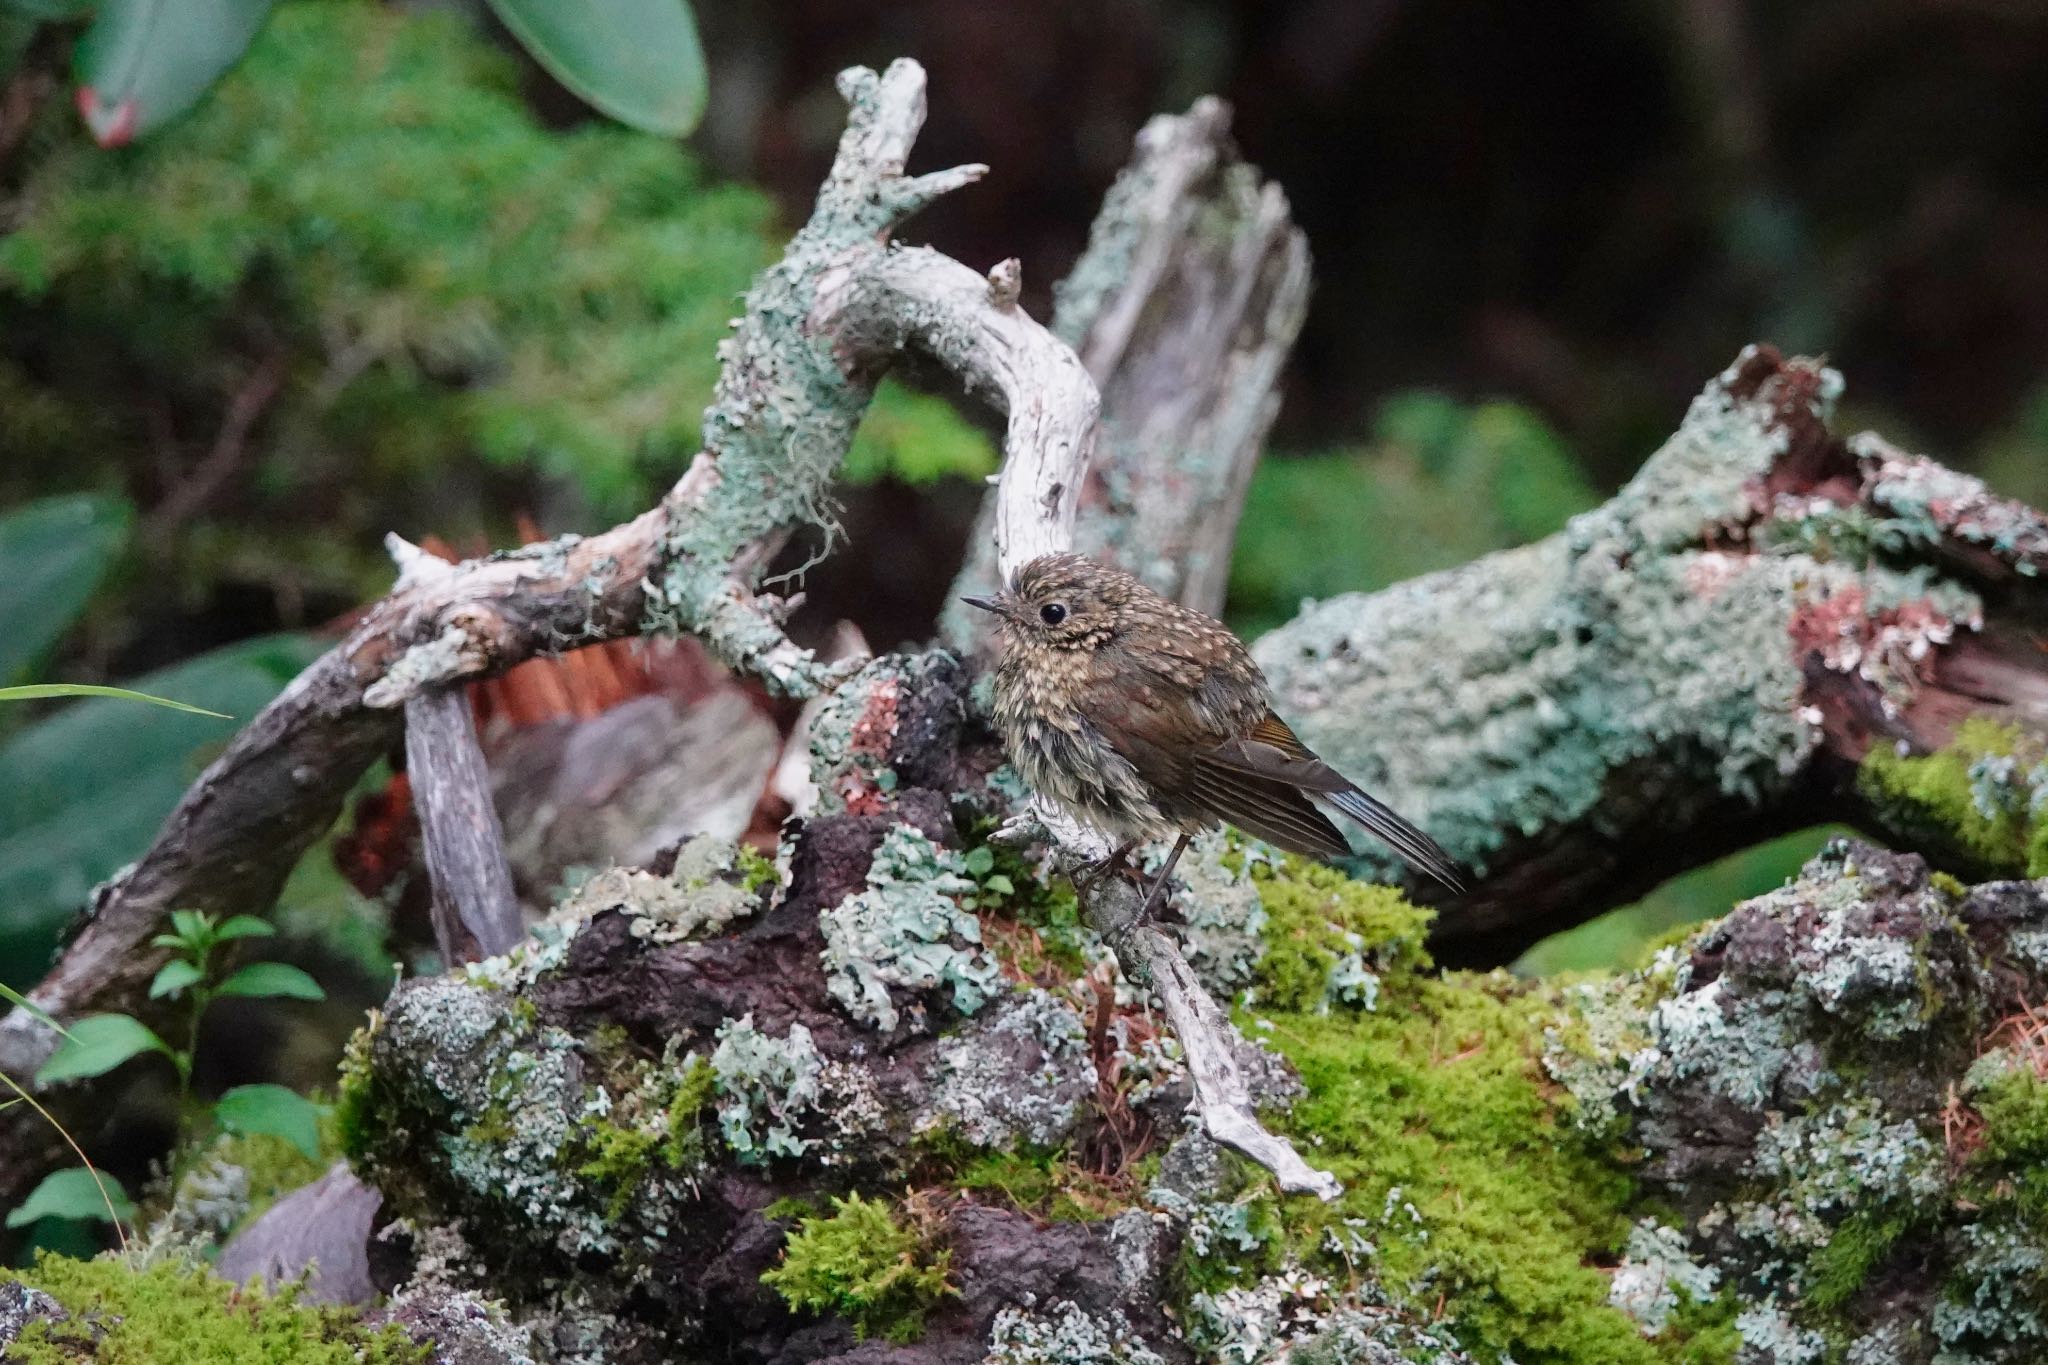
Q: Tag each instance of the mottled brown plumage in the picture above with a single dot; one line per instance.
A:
(1147, 719)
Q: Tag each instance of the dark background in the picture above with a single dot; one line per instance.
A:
(1589, 207)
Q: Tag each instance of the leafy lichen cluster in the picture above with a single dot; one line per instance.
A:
(906, 931)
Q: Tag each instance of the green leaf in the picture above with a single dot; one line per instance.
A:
(636, 60)
(53, 554)
(274, 1110)
(173, 977)
(37, 691)
(272, 979)
(980, 860)
(243, 926)
(999, 885)
(98, 1043)
(74, 1192)
(85, 790)
(144, 62)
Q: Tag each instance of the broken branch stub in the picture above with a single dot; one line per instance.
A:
(1183, 309)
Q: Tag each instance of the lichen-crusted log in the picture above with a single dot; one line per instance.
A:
(819, 329)
(1719, 654)
(1183, 308)
(629, 1118)
(1839, 1094)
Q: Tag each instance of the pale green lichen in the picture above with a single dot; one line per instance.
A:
(906, 931)
(1627, 638)
(979, 1094)
(713, 885)
(768, 1087)
(1657, 1275)
(1062, 1333)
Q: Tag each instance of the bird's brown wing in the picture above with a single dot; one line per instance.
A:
(1167, 744)
(1271, 753)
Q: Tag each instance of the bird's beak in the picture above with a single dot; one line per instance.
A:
(985, 603)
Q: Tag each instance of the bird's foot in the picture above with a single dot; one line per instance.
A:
(1089, 874)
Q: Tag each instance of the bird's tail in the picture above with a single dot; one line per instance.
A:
(1418, 849)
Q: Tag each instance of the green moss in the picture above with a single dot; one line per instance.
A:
(169, 1314)
(1434, 1113)
(757, 870)
(1702, 1332)
(687, 1110)
(1970, 800)
(2014, 1107)
(1433, 1110)
(1048, 1184)
(618, 1152)
(864, 1264)
(1857, 1245)
(1323, 930)
(356, 1107)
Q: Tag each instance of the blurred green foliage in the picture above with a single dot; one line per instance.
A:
(83, 791)
(1619, 938)
(53, 554)
(1439, 483)
(473, 314)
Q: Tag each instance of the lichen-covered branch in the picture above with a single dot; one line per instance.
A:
(819, 329)
(1731, 648)
(1183, 309)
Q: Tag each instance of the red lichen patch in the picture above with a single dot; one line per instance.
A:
(1893, 648)
(873, 734)
(1994, 537)
(1833, 628)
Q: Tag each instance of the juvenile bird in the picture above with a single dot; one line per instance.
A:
(1145, 719)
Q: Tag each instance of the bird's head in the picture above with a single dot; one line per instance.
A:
(1064, 601)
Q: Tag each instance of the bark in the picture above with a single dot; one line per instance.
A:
(1702, 663)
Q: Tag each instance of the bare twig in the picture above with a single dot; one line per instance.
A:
(221, 460)
(476, 911)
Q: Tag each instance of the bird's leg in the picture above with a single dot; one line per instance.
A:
(1087, 874)
(1179, 845)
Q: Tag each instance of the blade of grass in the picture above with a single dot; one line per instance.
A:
(20, 1094)
(36, 691)
(33, 1010)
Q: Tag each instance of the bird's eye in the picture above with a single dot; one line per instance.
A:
(1052, 613)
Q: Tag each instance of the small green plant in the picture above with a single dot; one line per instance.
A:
(98, 1043)
(865, 1264)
